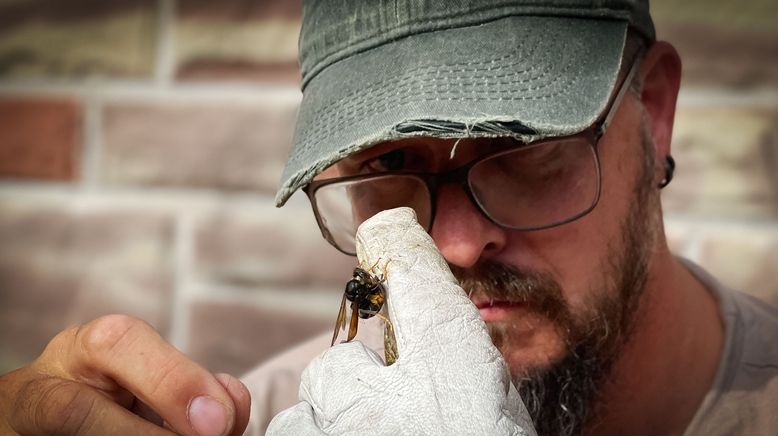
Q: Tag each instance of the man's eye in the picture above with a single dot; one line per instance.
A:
(391, 161)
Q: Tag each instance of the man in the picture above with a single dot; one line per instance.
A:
(530, 139)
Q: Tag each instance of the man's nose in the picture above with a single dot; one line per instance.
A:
(461, 231)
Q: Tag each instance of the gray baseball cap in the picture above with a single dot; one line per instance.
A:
(377, 70)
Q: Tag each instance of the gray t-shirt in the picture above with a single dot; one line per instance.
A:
(744, 397)
(742, 401)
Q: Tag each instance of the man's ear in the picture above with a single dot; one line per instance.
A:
(661, 78)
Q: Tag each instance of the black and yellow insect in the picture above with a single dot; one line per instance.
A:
(366, 294)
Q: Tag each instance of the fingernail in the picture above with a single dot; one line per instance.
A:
(207, 416)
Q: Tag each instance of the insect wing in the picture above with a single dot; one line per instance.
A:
(340, 323)
(352, 329)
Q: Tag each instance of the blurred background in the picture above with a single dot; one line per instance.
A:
(141, 142)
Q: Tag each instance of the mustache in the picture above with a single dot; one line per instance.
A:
(537, 291)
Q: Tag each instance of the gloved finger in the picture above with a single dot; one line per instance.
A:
(430, 313)
(296, 420)
(348, 364)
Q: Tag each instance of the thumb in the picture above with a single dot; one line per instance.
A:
(430, 312)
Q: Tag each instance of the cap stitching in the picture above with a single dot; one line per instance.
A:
(452, 95)
(424, 71)
(406, 29)
(449, 92)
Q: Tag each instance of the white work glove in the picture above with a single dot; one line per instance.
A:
(449, 379)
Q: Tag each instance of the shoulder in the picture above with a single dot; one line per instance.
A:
(758, 325)
(743, 398)
(750, 358)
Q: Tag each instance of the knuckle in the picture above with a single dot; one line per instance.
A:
(57, 406)
(61, 340)
(107, 332)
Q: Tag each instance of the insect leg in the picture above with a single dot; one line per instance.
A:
(390, 342)
(385, 273)
(374, 265)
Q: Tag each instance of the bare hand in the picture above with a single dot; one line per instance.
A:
(116, 375)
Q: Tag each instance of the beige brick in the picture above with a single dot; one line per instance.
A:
(32, 311)
(62, 264)
(727, 160)
(269, 246)
(749, 15)
(238, 39)
(40, 138)
(680, 236)
(722, 43)
(78, 38)
(206, 69)
(713, 57)
(745, 258)
(234, 337)
(218, 146)
(240, 10)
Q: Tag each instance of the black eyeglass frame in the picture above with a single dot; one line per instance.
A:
(459, 175)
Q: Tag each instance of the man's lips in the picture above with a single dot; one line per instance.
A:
(496, 310)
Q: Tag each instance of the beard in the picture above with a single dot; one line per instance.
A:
(563, 397)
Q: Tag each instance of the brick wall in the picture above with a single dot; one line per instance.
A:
(141, 142)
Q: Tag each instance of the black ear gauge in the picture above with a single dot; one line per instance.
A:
(669, 170)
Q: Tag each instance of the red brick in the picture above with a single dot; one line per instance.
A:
(234, 337)
(62, 264)
(40, 139)
(269, 246)
(220, 146)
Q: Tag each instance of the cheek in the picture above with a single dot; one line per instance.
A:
(572, 254)
(578, 254)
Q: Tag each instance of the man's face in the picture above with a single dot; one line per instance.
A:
(544, 292)
(558, 302)
(561, 326)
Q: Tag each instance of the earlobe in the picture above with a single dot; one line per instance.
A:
(661, 80)
(669, 171)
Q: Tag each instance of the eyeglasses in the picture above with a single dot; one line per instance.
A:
(528, 187)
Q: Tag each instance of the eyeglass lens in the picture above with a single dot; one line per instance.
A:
(529, 187)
